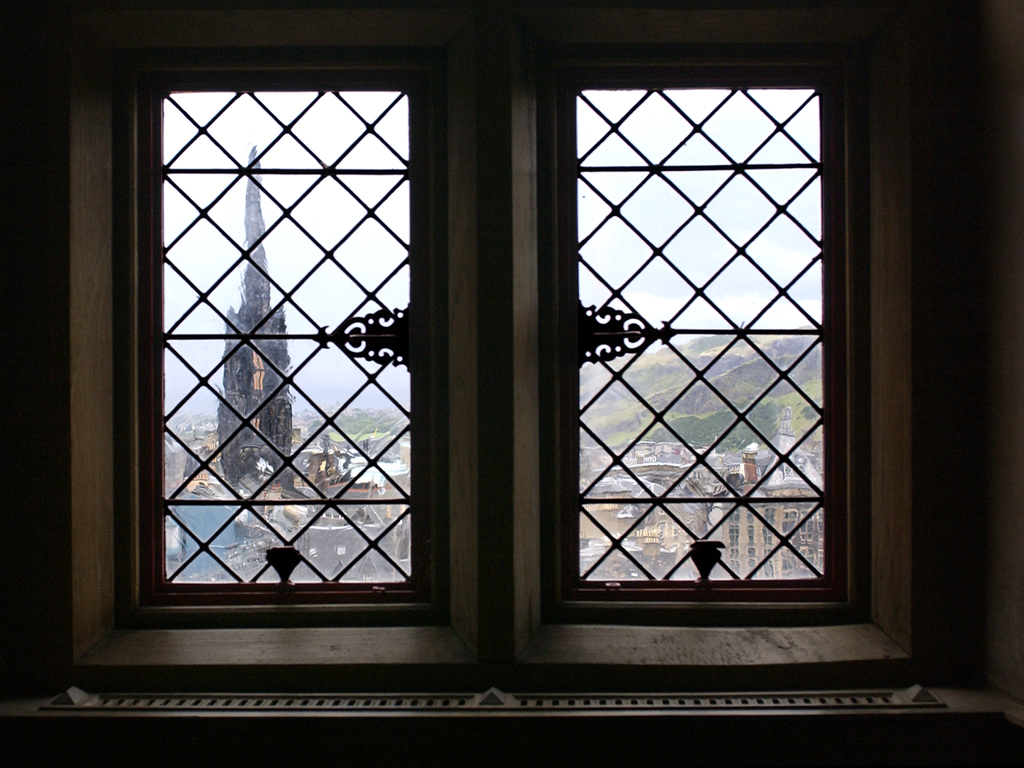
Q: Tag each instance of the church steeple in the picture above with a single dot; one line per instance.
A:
(249, 371)
(254, 226)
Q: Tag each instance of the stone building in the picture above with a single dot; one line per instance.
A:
(251, 377)
(748, 538)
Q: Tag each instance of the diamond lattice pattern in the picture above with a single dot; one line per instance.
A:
(284, 213)
(700, 211)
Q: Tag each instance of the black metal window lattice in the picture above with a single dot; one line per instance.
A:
(701, 332)
(286, 291)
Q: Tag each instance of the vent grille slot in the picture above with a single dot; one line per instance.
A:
(277, 703)
(495, 700)
(846, 700)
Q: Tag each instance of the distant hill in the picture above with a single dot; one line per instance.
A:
(700, 417)
(360, 424)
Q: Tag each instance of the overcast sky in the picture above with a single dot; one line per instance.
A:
(739, 209)
(371, 253)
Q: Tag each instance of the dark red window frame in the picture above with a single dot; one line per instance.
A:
(154, 590)
(833, 586)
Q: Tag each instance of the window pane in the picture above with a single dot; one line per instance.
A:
(285, 278)
(701, 332)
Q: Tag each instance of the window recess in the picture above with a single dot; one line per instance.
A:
(702, 292)
(281, 276)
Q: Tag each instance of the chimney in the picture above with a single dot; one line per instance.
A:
(750, 463)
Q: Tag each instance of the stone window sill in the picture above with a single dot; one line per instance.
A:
(558, 657)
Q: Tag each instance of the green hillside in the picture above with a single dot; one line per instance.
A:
(700, 417)
(361, 424)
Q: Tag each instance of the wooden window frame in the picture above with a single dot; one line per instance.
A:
(572, 599)
(425, 590)
(196, 640)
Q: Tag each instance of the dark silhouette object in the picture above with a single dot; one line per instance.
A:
(283, 560)
(706, 555)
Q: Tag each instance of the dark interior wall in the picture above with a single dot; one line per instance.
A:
(594, 741)
(1004, 163)
(950, 430)
(951, 468)
(34, 294)
(929, 305)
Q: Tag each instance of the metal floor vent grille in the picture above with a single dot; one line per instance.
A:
(495, 700)
(843, 700)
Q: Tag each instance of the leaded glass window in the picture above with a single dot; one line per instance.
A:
(282, 378)
(707, 276)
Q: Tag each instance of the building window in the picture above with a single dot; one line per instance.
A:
(281, 246)
(702, 252)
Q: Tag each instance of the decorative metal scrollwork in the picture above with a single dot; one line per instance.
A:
(609, 333)
(381, 336)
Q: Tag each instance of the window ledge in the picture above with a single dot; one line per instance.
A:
(709, 647)
(277, 659)
(559, 657)
(717, 659)
(553, 644)
(278, 647)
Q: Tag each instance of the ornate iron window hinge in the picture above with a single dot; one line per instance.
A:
(609, 333)
(382, 337)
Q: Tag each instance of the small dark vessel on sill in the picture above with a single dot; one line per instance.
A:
(283, 560)
(705, 554)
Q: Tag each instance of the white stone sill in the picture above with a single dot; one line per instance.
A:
(569, 645)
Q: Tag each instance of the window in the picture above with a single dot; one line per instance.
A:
(703, 266)
(486, 595)
(282, 224)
